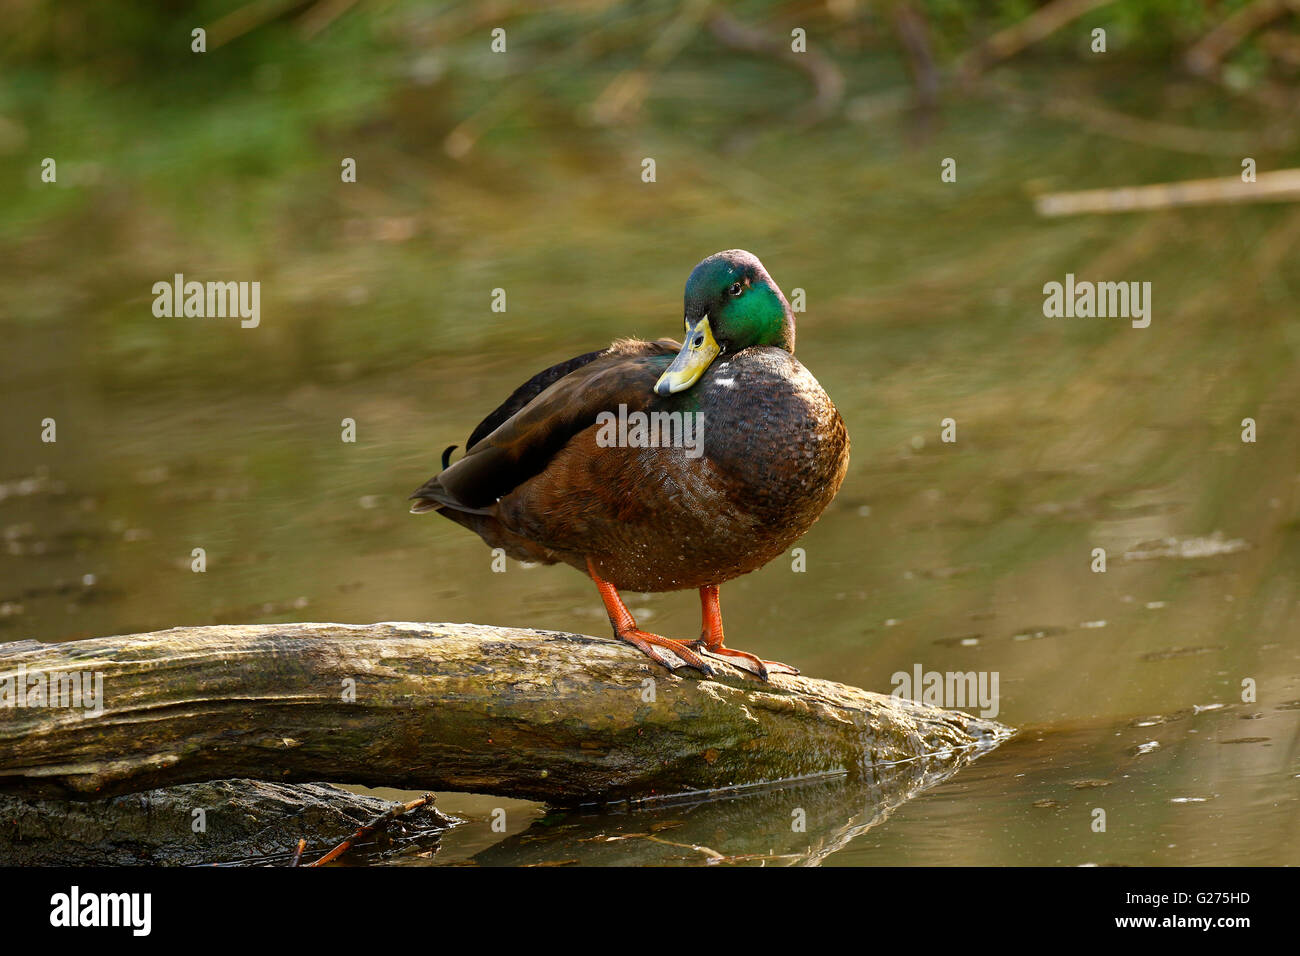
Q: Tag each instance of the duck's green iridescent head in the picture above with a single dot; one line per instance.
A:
(731, 304)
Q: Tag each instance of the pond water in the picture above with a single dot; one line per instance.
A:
(1164, 691)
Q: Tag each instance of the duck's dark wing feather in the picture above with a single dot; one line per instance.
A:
(526, 392)
(517, 440)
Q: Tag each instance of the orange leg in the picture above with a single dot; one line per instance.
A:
(625, 629)
(711, 638)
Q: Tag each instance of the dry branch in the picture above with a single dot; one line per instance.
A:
(827, 80)
(1280, 186)
(1041, 23)
(1206, 55)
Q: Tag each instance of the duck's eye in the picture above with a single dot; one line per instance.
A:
(736, 289)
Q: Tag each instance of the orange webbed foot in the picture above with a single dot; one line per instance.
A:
(711, 639)
(625, 629)
(745, 660)
(648, 645)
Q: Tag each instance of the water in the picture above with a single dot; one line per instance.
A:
(924, 303)
(1218, 790)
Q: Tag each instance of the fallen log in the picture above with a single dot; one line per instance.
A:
(550, 716)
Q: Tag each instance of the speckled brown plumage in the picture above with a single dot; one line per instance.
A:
(652, 519)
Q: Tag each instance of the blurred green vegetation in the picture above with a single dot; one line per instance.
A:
(228, 160)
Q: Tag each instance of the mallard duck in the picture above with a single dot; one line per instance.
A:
(565, 470)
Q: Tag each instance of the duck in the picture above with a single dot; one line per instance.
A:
(748, 453)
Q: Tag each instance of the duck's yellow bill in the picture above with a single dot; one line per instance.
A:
(698, 352)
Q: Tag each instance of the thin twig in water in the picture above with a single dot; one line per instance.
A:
(1041, 23)
(1280, 186)
(297, 853)
(1206, 55)
(914, 34)
(322, 14)
(827, 80)
(626, 91)
(710, 854)
(383, 819)
(1108, 122)
(713, 855)
(245, 19)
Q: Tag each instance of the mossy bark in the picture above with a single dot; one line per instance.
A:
(225, 821)
(551, 716)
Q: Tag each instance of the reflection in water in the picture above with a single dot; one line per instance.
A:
(791, 825)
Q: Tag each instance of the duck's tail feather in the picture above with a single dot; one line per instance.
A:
(432, 496)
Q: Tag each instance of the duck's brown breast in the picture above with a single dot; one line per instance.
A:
(774, 452)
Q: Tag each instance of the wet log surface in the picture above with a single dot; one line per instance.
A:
(557, 717)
